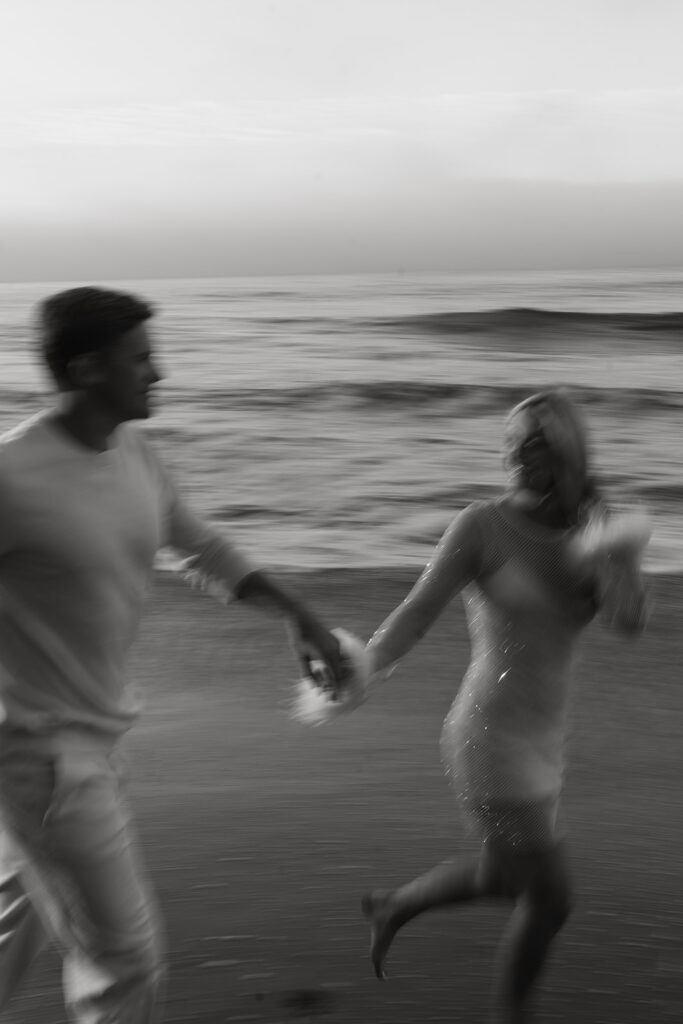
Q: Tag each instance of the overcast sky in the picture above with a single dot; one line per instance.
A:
(207, 137)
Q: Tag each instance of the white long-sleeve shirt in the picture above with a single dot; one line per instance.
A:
(79, 531)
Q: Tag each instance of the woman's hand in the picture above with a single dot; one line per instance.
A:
(622, 597)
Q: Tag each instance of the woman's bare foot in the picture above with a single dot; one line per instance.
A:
(377, 907)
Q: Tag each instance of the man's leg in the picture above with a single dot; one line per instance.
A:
(22, 935)
(114, 970)
(26, 791)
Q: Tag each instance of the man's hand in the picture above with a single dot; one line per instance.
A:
(261, 590)
(317, 636)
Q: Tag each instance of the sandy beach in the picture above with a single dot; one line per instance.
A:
(260, 836)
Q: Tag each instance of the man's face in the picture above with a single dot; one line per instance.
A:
(126, 374)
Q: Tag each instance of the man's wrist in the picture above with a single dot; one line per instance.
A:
(304, 619)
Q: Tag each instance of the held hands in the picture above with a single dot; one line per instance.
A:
(320, 695)
(320, 654)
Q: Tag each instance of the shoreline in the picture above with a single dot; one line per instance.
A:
(407, 571)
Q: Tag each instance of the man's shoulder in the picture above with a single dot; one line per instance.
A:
(26, 451)
(24, 435)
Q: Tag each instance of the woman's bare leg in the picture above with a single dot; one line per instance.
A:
(446, 884)
(541, 910)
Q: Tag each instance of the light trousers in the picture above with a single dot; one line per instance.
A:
(71, 873)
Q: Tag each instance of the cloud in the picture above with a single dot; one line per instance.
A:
(608, 136)
(485, 180)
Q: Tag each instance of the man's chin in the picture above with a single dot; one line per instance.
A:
(144, 410)
(139, 412)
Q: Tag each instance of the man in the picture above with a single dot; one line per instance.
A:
(84, 506)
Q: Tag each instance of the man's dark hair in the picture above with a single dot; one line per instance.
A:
(83, 320)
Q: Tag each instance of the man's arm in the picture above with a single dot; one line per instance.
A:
(222, 567)
(263, 591)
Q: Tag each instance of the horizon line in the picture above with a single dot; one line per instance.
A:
(389, 272)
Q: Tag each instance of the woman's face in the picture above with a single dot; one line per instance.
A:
(534, 461)
(545, 451)
(536, 464)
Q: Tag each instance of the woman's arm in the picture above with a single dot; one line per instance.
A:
(455, 562)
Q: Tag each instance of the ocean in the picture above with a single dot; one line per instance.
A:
(343, 420)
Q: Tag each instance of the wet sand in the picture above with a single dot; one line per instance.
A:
(260, 836)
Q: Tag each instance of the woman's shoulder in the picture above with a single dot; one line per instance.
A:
(483, 511)
(477, 527)
(503, 532)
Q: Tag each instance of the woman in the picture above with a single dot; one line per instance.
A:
(529, 590)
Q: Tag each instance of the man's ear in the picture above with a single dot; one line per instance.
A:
(85, 370)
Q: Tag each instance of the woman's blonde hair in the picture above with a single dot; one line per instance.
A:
(556, 416)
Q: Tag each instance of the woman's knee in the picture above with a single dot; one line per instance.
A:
(556, 906)
(552, 895)
(540, 876)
